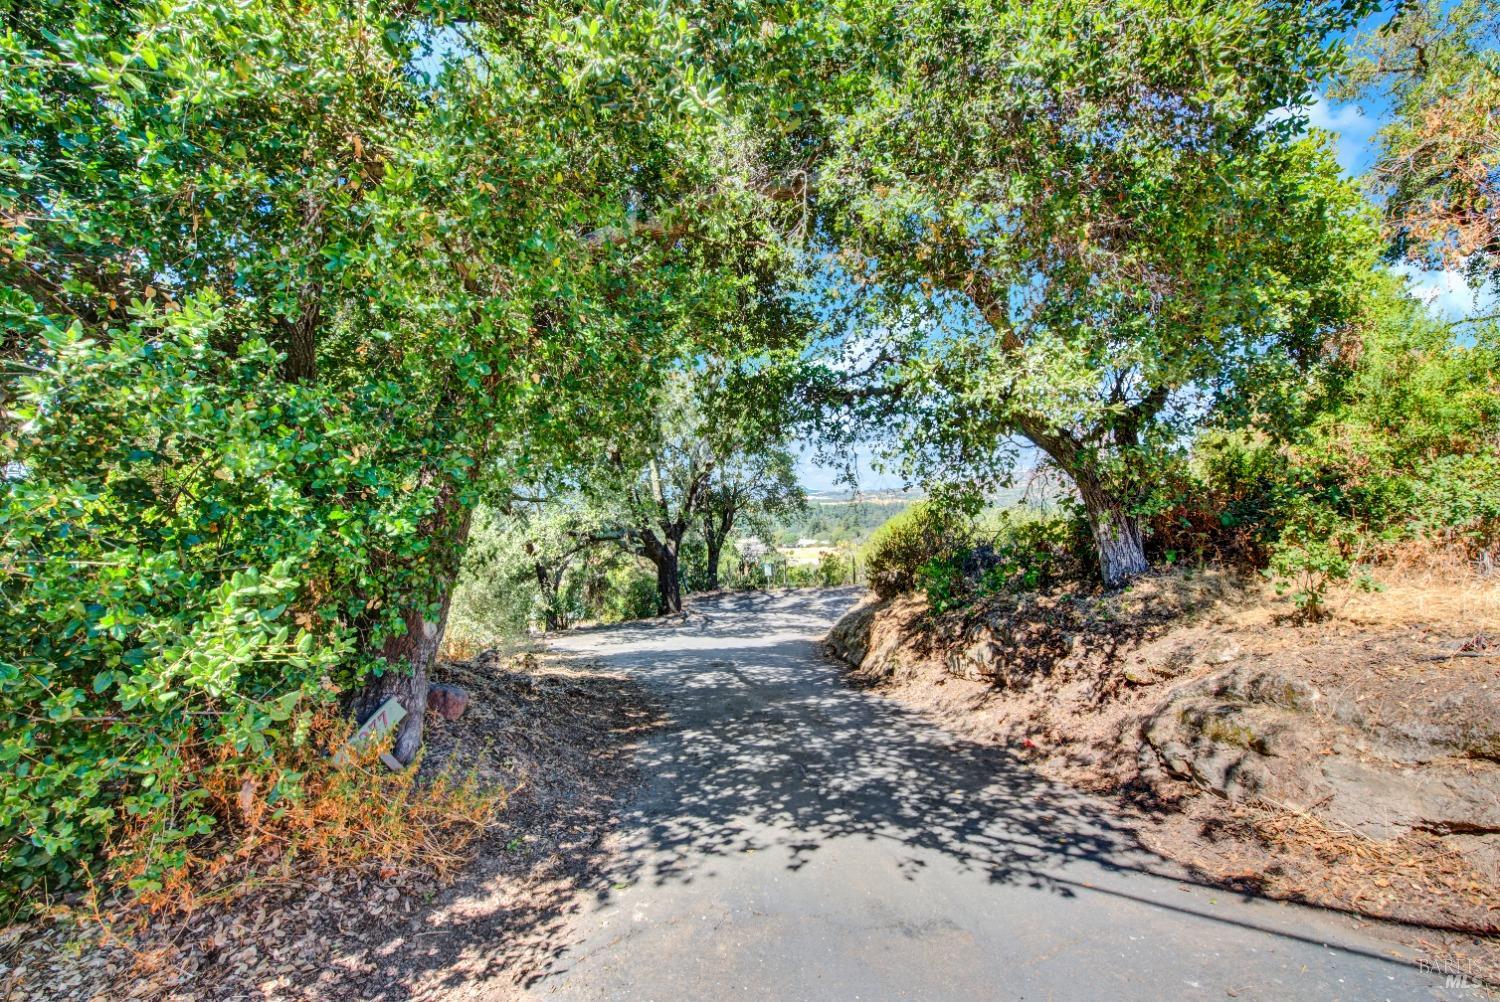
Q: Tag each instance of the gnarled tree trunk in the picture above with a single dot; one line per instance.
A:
(715, 532)
(550, 584)
(663, 551)
(715, 547)
(1118, 540)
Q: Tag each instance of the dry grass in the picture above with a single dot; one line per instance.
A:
(1420, 594)
(346, 811)
(407, 885)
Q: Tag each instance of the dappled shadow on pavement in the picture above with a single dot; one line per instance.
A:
(769, 751)
(767, 743)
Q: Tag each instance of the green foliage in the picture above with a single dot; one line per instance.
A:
(1021, 550)
(835, 568)
(712, 460)
(1436, 65)
(1030, 551)
(276, 311)
(1405, 447)
(899, 549)
(943, 581)
(1312, 555)
(836, 522)
(1079, 224)
(629, 592)
(159, 531)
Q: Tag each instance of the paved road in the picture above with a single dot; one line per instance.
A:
(797, 839)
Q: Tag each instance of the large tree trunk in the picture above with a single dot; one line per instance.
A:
(714, 548)
(408, 658)
(1118, 540)
(551, 587)
(409, 655)
(668, 583)
(663, 552)
(715, 533)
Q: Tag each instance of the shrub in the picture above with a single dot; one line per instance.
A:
(896, 551)
(629, 592)
(187, 548)
(1026, 551)
(1313, 554)
(1030, 551)
(834, 569)
(1406, 447)
(801, 576)
(943, 581)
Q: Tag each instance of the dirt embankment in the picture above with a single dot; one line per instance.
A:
(1353, 763)
(556, 739)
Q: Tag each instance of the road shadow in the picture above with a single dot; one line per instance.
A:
(766, 749)
(769, 750)
(763, 735)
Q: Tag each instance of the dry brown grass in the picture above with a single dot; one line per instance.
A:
(341, 812)
(459, 649)
(1413, 585)
(1414, 593)
(377, 883)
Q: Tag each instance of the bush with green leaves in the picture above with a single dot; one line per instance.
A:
(1022, 550)
(898, 550)
(286, 287)
(1029, 550)
(629, 591)
(1315, 552)
(158, 533)
(835, 568)
(1403, 448)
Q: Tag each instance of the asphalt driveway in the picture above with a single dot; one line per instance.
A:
(796, 839)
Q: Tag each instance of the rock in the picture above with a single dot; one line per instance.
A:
(1268, 687)
(1461, 718)
(448, 701)
(1239, 732)
(977, 662)
(1384, 802)
(849, 640)
(1220, 651)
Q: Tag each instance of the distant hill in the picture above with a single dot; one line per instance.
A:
(903, 497)
(845, 516)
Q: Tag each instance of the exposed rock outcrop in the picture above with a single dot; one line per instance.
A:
(1359, 729)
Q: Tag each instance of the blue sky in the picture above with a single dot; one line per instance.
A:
(1353, 128)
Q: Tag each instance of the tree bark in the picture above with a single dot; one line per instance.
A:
(300, 337)
(668, 583)
(663, 552)
(551, 586)
(1118, 540)
(715, 532)
(409, 655)
(714, 546)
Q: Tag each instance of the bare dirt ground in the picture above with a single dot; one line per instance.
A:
(560, 737)
(1351, 763)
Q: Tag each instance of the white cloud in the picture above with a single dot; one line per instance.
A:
(1445, 292)
(1353, 131)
